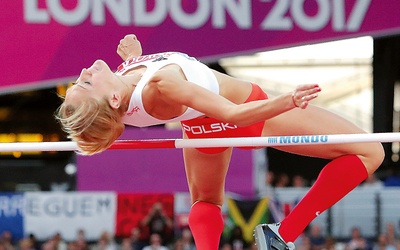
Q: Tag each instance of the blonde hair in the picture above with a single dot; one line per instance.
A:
(93, 124)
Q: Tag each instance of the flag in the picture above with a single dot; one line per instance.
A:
(247, 214)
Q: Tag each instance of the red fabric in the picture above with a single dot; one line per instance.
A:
(212, 128)
(336, 179)
(206, 224)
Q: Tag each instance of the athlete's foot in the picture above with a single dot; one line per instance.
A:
(268, 238)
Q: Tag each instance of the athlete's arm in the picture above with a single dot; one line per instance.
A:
(175, 88)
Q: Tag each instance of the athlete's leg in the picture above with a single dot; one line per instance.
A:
(206, 179)
(350, 165)
(315, 120)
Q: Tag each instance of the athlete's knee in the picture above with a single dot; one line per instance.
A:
(378, 155)
(213, 194)
(374, 157)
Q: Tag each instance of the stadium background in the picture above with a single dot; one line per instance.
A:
(46, 43)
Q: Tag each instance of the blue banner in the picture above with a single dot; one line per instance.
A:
(11, 214)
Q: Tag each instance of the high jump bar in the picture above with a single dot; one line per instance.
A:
(270, 141)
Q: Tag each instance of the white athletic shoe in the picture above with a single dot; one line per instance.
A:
(268, 238)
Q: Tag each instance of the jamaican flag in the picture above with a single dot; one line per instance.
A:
(247, 214)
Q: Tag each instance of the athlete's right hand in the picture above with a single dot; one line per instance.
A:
(129, 47)
(303, 94)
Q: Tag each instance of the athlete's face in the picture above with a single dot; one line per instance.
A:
(95, 81)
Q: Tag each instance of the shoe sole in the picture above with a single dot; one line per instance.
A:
(259, 236)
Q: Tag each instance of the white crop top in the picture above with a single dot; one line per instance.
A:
(195, 72)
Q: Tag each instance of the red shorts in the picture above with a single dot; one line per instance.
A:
(212, 128)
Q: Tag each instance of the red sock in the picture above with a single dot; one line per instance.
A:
(336, 179)
(206, 224)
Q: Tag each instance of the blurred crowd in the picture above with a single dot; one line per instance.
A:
(391, 178)
(157, 232)
(311, 239)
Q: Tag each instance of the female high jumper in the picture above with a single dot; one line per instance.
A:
(173, 87)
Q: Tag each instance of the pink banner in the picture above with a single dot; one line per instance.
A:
(45, 41)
